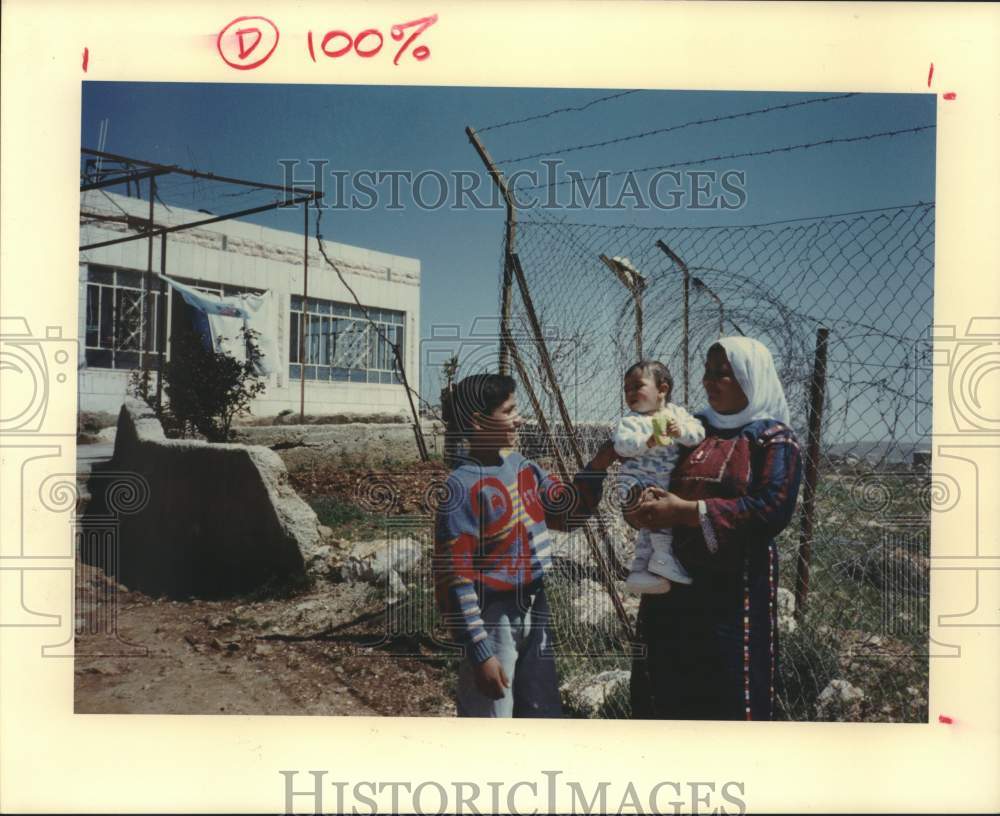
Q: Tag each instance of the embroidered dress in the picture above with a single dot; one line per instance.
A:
(712, 645)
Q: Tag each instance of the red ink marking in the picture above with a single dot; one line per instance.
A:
(232, 47)
(946, 720)
(311, 52)
(421, 52)
(86, 59)
(371, 52)
(244, 50)
(950, 95)
(930, 75)
(340, 52)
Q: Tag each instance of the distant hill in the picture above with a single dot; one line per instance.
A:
(874, 451)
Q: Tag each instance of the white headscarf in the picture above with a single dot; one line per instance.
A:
(753, 367)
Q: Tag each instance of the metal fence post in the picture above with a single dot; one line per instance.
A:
(161, 324)
(536, 328)
(303, 319)
(686, 340)
(817, 392)
(146, 312)
(635, 282)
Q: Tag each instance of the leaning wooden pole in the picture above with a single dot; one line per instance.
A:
(510, 237)
(418, 431)
(817, 393)
(543, 351)
(512, 270)
(604, 571)
(637, 297)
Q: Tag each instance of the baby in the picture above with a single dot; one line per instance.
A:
(647, 437)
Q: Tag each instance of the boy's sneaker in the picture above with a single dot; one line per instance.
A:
(645, 583)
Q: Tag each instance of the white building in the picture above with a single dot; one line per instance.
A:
(349, 367)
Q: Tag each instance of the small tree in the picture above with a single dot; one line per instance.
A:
(451, 369)
(208, 389)
(140, 386)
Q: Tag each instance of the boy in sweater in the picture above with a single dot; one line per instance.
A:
(492, 550)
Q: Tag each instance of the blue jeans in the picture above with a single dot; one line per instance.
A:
(518, 630)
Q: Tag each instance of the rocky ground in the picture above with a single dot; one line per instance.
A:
(317, 652)
(319, 648)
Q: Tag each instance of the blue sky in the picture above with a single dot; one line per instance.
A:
(245, 130)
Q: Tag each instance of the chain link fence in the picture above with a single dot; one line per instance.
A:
(854, 647)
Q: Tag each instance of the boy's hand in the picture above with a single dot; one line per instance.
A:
(652, 442)
(605, 457)
(491, 679)
(673, 429)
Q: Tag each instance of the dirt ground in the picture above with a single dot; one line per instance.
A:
(396, 490)
(317, 652)
(321, 650)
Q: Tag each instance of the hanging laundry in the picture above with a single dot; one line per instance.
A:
(261, 317)
(207, 302)
(221, 320)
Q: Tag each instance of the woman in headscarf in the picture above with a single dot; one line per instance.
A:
(711, 646)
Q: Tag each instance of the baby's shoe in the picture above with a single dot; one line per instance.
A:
(665, 565)
(645, 583)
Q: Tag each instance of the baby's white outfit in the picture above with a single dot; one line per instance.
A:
(645, 466)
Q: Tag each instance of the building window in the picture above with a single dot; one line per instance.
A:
(341, 345)
(119, 315)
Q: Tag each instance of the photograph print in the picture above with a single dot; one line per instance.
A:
(504, 402)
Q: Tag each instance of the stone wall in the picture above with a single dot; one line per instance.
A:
(220, 519)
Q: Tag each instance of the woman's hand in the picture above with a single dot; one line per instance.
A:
(491, 679)
(658, 509)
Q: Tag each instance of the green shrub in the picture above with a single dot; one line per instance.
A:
(208, 389)
(205, 389)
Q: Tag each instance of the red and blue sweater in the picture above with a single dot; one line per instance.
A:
(491, 537)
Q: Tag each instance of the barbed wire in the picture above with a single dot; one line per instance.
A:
(658, 131)
(557, 111)
(726, 156)
(866, 276)
(564, 222)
